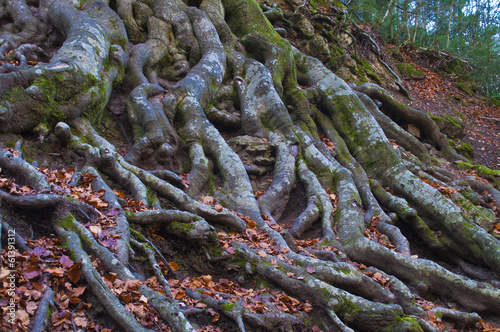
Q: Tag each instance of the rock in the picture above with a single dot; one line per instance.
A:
(303, 26)
(409, 72)
(414, 130)
(257, 154)
(316, 47)
(344, 73)
(345, 61)
(450, 126)
(398, 56)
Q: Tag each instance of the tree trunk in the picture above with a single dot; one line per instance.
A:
(448, 31)
(232, 167)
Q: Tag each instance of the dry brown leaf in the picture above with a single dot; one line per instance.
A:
(81, 321)
(207, 200)
(133, 284)
(56, 271)
(75, 272)
(95, 229)
(179, 294)
(252, 224)
(31, 307)
(79, 290)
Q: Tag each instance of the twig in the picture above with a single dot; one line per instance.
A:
(142, 238)
(398, 82)
(72, 312)
(302, 5)
(491, 119)
(154, 265)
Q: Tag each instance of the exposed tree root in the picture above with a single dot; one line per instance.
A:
(42, 316)
(22, 171)
(395, 108)
(113, 306)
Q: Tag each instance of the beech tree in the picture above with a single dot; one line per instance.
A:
(210, 89)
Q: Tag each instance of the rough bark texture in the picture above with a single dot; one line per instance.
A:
(223, 139)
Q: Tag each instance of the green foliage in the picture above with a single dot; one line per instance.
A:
(466, 29)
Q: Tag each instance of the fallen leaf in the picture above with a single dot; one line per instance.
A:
(65, 261)
(252, 224)
(179, 294)
(29, 275)
(174, 266)
(207, 200)
(95, 230)
(261, 253)
(77, 291)
(56, 271)
(81, 321)
(23, 317)
(31, 307)
(74, 272)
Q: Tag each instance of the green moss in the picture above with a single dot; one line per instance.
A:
(405, 323)
(398, 56)
(348, 307)
(464, 165)
(462, 148)
(366, 64)
(494, 101)
(355, 58)
(448, 119)
(486, 170)
(465, 88)
(455, 67)
(409, 70)
(493, 176)
(481, 216)
(227, 306)
(68, 222)
(180, 227)
(364, 71)
(374, 77)
(15, 95)
(335, 52)
(12, 143)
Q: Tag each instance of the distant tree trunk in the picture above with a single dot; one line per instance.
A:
(417, 20)
(389, 9)
(448, 31)
(406, 20)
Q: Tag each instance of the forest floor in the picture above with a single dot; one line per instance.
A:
(437, 94)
